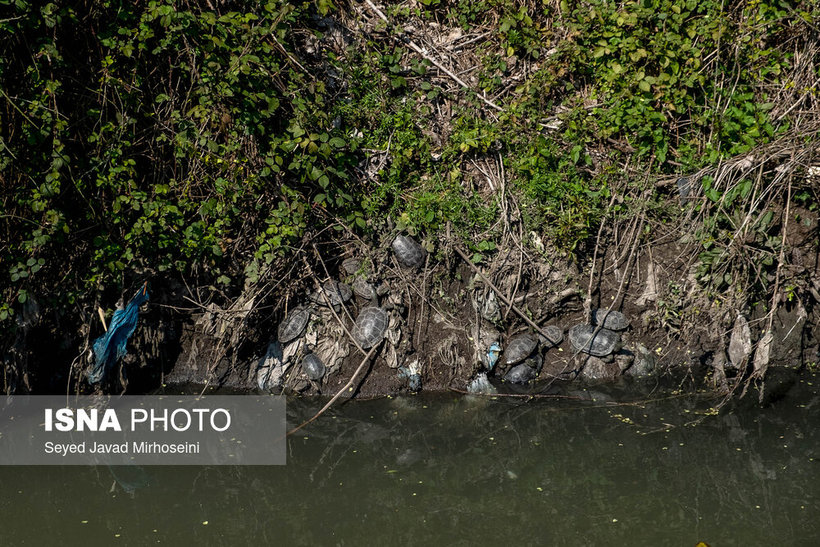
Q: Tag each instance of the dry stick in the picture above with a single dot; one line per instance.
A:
(441, 67)
(501, 296)
(520, 241)
(101, 313)
(520, 265)
(618, 295)
(397, 268)
(588, 299)
(519, 395)
(342, 390)
(780, 259)
(800, 100)
(619, 259)
(421, 321)
(502, 184)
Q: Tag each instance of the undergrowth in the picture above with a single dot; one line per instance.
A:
(175, 139)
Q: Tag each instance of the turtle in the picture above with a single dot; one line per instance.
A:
(364, 289)
(519, 348)
(602, 344)
(535, 362)
(610, 319)
(351, 265)
(520, 374)
(554, 336)
(313, 366)
(408, 252)
(337, 293)
(294, 325)
(370, 326)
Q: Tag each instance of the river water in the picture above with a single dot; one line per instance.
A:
(455, 470)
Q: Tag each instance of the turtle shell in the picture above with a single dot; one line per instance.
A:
(294, 325)
(408, 252)
(602, 344)
(535, 362)
(351, 265)
(364, 289)
(554, 336)
(520, 374)
(610, 319)
(370, 327)
(336, 293)
(519, 348)
(313, 366)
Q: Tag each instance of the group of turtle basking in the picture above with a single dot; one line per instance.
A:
(295, 341)
(522, 359)
(313, 335)
(523, 356)
(601, 338)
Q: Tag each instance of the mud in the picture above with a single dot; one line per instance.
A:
(673, 330)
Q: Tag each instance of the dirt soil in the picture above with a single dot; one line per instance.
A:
(445, 314)
(437, 324)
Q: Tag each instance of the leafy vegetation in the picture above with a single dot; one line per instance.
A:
(172, 138)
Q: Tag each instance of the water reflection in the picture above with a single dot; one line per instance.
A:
(464, 471)
(129, 478)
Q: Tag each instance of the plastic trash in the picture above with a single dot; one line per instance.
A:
(110, 347)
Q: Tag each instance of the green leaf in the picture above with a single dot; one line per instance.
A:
(575, 154)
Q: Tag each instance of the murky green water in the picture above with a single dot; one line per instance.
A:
(457, 471)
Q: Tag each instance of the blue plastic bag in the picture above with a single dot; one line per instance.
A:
(110, 347)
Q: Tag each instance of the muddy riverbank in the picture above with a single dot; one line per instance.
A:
(443, 317)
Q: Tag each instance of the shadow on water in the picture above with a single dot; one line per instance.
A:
(465, 471)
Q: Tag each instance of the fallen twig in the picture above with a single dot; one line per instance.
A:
(342, 390)
(519, 395)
